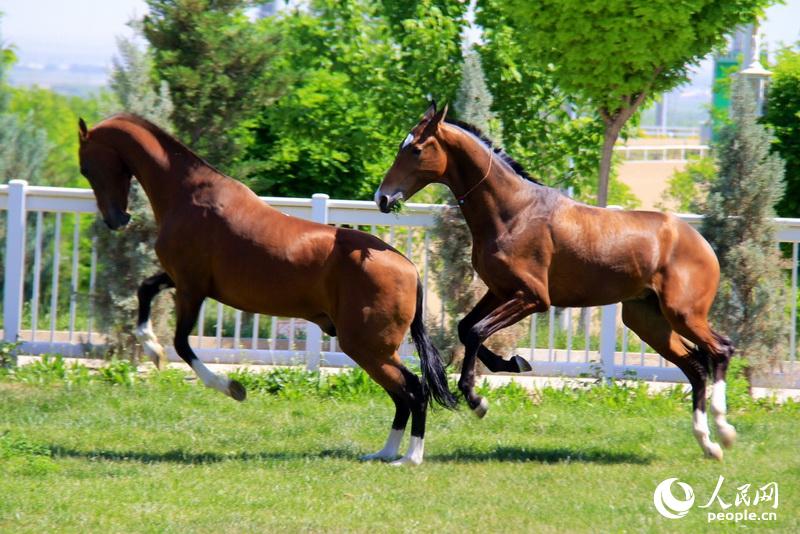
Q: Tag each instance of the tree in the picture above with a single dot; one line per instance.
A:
(56, 116)
(738, 224)
(615, 55)
(359, 74)
(473, 102)
(783, 115)
(687, 189)
(217, 65)
(132, 83)
(127, 258)
(543, 128)
(23, 146)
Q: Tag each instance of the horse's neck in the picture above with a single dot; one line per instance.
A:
(161, 171)
(488, 204)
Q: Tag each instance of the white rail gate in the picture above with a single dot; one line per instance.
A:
(51, 261)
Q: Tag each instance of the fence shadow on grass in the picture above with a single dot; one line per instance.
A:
(180, 456)
(544, 455)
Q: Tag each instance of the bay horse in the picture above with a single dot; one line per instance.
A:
(535, 247)
(217, 239)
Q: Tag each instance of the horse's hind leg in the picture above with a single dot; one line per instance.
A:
(392, 445)
(646, 319)
(148, 289)
(688, 317)
(726, 431)
(405, 389)
(187, 308)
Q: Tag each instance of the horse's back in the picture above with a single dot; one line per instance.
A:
(627, 252)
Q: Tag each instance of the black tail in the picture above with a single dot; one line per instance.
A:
(434, 378)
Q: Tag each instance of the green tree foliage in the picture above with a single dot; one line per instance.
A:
(738, 224)
(545, 129)
(57, 116)
(474, 101)
(126, 258)
(216, 63)
(614, 54)
(133, 87)
(687, 189)
(783, 115)
(23, 146)
(359, 75)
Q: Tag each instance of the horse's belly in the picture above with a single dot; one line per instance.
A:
(581, 283)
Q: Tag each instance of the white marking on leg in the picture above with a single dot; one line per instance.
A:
(210, 378)
(144, 333)
(389, 450)
(726, 431)
(701, 433)
(481, 409)
(416, 450)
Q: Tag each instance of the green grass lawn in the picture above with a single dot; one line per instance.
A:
(166, 456)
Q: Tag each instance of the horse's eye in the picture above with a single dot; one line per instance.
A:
(416, 150)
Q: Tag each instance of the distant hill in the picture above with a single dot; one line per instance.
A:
(64, 78)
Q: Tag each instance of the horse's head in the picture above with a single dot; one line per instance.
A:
(420, 161)
(108, 175)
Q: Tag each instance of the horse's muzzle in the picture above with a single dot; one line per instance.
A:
(117, 220)
(387, 202)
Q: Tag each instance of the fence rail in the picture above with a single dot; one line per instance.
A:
(51, 263)
(661, 153)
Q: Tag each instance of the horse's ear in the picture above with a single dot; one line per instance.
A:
(83, 131)
(433, 123)
(430, 112)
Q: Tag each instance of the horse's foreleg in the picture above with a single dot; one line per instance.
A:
(148, 290)
(492, 361)
(500, 317)
(188, 307)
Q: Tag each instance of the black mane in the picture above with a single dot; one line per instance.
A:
(511, 162)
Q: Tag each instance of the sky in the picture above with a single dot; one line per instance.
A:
(67, 31)
(62, 32)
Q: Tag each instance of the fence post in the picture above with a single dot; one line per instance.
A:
(608, 339)
(319, 213)
(15, 261)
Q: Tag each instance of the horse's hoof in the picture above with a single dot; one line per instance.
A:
(522, 364)
(236, 391)
(714, 451)
(405, 462)
(156, 352)
(481, 409)
(727, 435)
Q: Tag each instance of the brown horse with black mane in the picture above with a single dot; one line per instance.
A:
(534, 247)
(217, 239)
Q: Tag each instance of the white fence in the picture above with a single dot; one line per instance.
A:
(661, 153)
(671, 131)
(51, 264)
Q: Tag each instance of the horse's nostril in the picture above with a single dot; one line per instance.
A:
(383, 203)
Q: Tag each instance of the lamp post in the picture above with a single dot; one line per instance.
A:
(755, 73)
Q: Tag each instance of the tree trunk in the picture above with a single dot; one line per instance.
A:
(610, 138)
